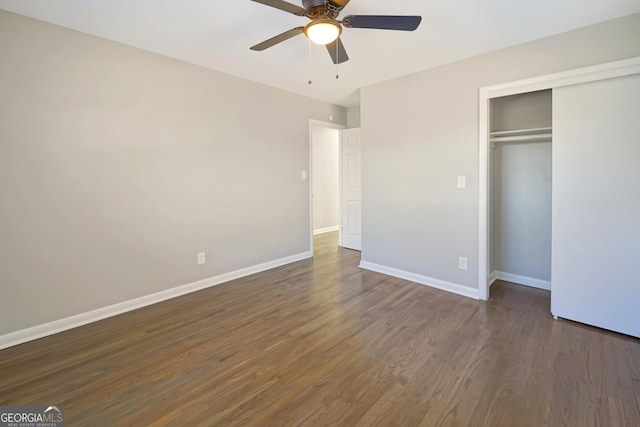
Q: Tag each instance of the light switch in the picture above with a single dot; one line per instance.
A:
(304, 175)
(462, 182)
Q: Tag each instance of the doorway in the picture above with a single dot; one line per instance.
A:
(324, 150)
(334, 185)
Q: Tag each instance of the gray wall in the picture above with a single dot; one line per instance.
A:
(523, 111)
(521, 188)
(326, 172)
(421, 131)
(353, 117)
(117, 166)
(521, 227)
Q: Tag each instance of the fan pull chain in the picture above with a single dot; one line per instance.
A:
(309, 63)
(337, 58)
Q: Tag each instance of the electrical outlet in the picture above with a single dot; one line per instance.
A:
(304, 175)
(462, 263)
(201, 258)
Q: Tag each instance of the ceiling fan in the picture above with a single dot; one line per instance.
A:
(325, 28)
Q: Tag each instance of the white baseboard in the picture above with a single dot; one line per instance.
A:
(39, 331)
(520, 280)
(423, 280)
(326, 230)
(493, 277)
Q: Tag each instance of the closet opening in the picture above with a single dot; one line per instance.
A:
(520, 182)
(595, 151)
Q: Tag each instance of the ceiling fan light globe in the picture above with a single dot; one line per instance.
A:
(323, 32)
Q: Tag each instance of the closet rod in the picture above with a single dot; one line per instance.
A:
(521, 131)
(522, 138)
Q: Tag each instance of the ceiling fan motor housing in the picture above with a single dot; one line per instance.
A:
(310, 3)
(319, 9)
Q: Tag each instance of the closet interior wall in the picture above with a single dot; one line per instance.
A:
(520, 188)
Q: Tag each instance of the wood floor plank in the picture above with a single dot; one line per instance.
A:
(323, 343)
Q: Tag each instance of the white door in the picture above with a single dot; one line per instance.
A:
(596, 204)
(351, 224)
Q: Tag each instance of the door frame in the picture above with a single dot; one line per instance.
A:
(310, 177)
(607, 70)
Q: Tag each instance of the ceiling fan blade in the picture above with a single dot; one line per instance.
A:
(278, 39)
(382, 22)
(337, 51)
(339, 3)
(282, 5)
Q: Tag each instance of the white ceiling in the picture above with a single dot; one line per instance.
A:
(218, 33)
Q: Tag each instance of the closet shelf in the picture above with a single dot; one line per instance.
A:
(521, 135)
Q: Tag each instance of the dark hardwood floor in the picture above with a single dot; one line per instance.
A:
(324, 343)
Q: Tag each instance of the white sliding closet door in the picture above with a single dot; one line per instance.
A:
(596, 204)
